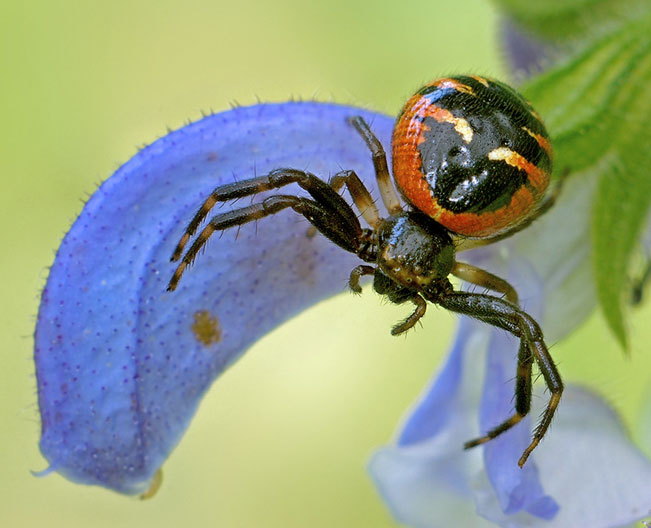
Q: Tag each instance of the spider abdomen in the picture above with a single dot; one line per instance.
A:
(472, 154)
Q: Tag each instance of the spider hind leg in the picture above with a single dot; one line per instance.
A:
(503, 314)
(522, 399)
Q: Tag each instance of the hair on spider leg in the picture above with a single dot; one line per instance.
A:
(409, 330)
(307, 166)
(537, 377)
(356, 293)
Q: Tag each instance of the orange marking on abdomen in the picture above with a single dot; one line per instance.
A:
(408, 134)
(442, 115)
(480, 80)
(489, 223)
(544, 143)
(452, 83)
(538, 178)
(407, 162)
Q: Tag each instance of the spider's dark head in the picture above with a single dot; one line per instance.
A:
(414, 250)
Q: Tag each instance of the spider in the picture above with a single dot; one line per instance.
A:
(472, 159)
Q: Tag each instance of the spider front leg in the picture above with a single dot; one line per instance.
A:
(357, 273)
(361, 197)
(318, 189)
(388, 192)
(409, 322)
(329, 213)
(522, 398)
(500, 313)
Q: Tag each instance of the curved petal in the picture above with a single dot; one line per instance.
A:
(122, 364)
(445, 400)
(518, 489)
(557, 249)
(426, 478)
(600, 478)
(549, 264)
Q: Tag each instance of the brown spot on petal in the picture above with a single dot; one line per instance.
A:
(206, 328)
(154, 486)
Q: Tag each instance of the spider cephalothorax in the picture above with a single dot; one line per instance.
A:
(473, 161)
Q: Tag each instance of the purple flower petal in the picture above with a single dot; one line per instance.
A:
(122, 364)
(525, 53)
(517, 488)
(426, 479)
(441, 407)
(601, 479)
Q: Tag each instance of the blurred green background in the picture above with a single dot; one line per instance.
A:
(282, 439)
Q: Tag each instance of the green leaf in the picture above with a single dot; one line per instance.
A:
(623, 196)
(572, 20)
(597, 107)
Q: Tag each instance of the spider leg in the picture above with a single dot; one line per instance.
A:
(319, 190)
(334, 221)
(503, 314)
(360, 194)
(421, 307)
(545, 205)
(387, 190)
(522, 398)
(483, 278)
(357, 274)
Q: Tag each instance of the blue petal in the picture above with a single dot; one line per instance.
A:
(426, 480)
(526, 55)
(549, 265)
(439, 409)
(122, 364)
(599, 477)
(517, 489)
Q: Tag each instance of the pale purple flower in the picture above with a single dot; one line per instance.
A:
(586, 472)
